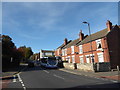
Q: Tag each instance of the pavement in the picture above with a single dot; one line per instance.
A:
(12, 71)
(113, 75)
(7, 76)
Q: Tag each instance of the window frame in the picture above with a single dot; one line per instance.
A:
(82, 60)
(72, 50)
(80, 49)
(102, 57)
(98, 41)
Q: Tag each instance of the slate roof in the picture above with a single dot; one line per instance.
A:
(95, 36)
(47, 51)
(73, 43)
(64, 45)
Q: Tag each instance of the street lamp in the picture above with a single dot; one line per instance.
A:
(90, 42)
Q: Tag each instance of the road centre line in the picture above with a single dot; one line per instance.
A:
(46, 71)
(68, 71)
(58, 76)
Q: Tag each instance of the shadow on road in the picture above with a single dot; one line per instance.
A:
(25, 68)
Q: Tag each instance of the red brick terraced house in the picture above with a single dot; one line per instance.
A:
(104, 55)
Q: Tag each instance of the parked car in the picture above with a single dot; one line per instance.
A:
(31, 64)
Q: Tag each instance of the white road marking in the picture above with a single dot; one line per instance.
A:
(58, 76)
(19, 78)
(114, 81)
(45, 71)
(14, 80)
(23, 85)
(67, 71)
(24, 88)
(21, 82)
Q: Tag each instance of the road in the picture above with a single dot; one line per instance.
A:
(38, 77)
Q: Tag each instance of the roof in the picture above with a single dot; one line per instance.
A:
(64, 45)
(95, 36)
(47, 51)
(73, 43)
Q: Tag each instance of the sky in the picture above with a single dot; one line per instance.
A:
(44, 25)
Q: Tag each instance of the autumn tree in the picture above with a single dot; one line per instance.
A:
(26, 52)
(10, 55)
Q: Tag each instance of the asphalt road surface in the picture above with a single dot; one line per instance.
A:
(38, 77)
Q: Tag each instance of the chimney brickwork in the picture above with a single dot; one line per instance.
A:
(81, 35)
(109, 25)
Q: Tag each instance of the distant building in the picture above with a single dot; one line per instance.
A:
(105, 50)
(46, 53)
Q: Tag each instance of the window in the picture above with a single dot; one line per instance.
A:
(92, 57)
(81, 60)
(68, 59)
(87, 59)
(73, 59)
(98, 43)
(72, 49)
(63, 52)
(80, 49)
(100, 57)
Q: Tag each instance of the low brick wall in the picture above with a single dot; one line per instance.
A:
(85, 66)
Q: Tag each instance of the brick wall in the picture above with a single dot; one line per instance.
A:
(113, 40)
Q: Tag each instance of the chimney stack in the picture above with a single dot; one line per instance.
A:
(81, 35)
(109, 25)
(65, 41)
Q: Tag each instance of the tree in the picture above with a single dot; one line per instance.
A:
(26, 52)
(10, 54)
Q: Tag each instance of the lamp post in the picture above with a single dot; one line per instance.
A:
(90, 43)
